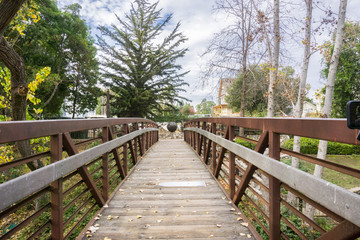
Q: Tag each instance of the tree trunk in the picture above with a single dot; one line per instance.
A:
(275, 60)
(326, 111)
(8, 9)
(302, 85)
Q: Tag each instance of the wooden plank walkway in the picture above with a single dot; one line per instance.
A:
(169, 195)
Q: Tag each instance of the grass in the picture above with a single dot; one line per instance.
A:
(332, 176)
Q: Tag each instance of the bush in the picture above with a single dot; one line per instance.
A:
(245, 143)
(310, 146)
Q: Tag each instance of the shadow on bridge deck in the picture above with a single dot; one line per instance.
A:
(169, 195)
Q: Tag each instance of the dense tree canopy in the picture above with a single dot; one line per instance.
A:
(140, 66)
(256, 102)
(61, 40)
(347, 82)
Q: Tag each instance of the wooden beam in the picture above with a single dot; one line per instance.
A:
(56, 196)
(274, 189)
(117, 157)
(105, 164)
(71, 149)
(344, 231)
(245, 179)
(221, 155)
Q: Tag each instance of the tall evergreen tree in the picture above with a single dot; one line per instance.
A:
(140, 66)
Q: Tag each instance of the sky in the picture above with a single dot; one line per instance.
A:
(199, 23)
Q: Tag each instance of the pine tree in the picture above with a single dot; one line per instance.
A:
(140, 67)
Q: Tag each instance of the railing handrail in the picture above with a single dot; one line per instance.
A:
(330, 129)
(21, 130)
(18, 188)
(337, 199)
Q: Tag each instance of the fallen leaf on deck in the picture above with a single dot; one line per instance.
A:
(242, 234)
(138, 216)
(223, 198)
(155, 211)
(141, 190)
(239, 218)
(97, 225)
(105, 206)
(88, 235)
(96, 218)
(207, 212)
(244, 224)
(211, 236)
(130, 220)
(249, 236)
(93, 229)
(177, 215)
(218, 225)
(233, 209)
(106, 238)
(159, 221)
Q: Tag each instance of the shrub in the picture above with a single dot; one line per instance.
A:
(245, 143)
(310, 146)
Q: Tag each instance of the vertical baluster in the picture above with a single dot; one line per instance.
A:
(232, 164)
(213, 148)
(125, 150)
(105, 165)
(274, 189)
(56, 197)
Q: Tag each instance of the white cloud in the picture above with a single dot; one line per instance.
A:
(198, 23)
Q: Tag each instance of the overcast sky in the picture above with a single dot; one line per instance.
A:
(199, 23)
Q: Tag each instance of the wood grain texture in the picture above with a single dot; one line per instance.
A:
(141, 209)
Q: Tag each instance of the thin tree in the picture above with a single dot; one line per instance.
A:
(326, 111)
(274, 60)
(141, 68)
(302, 84)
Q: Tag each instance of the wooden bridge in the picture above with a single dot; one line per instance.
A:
(119, 181)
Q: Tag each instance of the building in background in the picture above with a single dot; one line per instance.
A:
(222, 109)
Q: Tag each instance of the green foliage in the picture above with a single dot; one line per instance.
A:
(60, 40)
(141, 67)
(245, 143)
(310, 146)
(347, 82)
(205, 107)
(256, 91)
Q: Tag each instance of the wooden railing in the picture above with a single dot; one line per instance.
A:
(273, 195)
(74, 177)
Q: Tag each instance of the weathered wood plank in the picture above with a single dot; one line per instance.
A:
(143, 208)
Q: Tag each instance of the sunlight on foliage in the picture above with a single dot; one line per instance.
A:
(27, 15)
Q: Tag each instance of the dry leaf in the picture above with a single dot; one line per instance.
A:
(109, 217)
(93, 229)
(242, 234)
(141, 190)
(159, 221)
(88, 235)
(96, 218)
(233, 209)
(105, 206)
(177, 215)
(248, 236)
(218, 225)
(106, 238)
(207, 212)
(239, 218)
(130, 220)
(138, 216)
(223, 198)
(97, 225)
(245, 224)
(211, 236)
(155, 211)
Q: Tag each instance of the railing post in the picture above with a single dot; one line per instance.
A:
(274, 189)
(105, 165)
(56, 197)
(232, 164)
(213, 148)
(125, 150)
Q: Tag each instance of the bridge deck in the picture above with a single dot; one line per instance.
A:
(157, 201)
